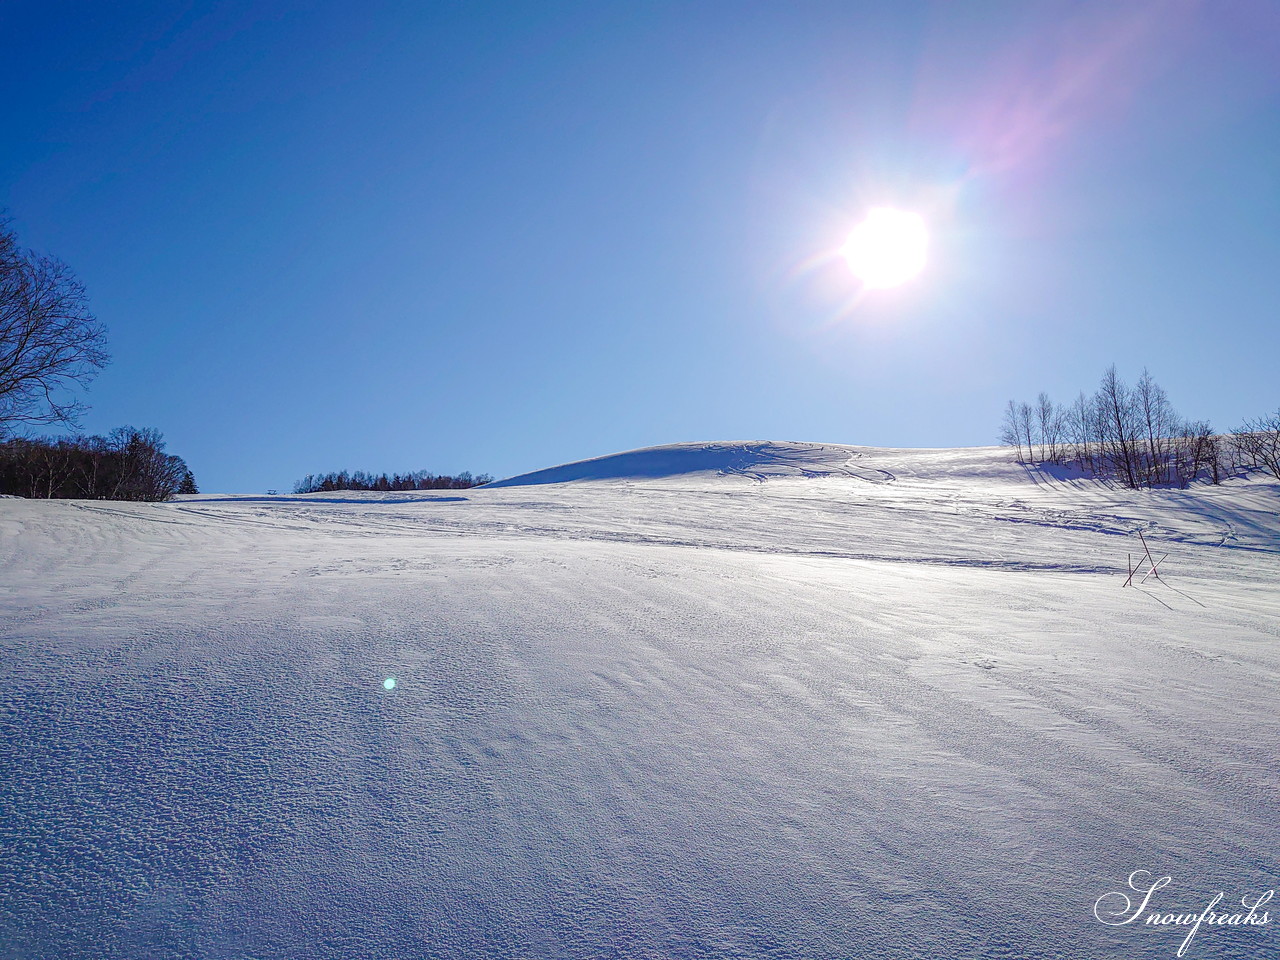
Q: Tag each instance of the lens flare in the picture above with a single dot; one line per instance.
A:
(389, 683)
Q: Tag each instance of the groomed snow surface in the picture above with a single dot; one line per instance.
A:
(709, 700)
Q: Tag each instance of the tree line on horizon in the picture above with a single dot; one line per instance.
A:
(127, 464)
(1133, 435)
(387, 483)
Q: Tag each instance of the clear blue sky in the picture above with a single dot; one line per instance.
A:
(500, 236)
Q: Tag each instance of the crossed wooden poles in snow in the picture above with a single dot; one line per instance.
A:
(1144, 561)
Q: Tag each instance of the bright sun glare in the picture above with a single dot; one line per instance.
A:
(887, 248)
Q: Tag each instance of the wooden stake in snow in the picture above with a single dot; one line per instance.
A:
(1147, 561)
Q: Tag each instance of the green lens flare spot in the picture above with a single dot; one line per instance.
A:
(389, 683)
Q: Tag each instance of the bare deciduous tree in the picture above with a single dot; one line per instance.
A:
(1196, 451)
(1120, 426)
(1052, 422)
(1080, 431)
(1258, 442)
(1159, 426)
(49, 341)
(1011, 431)
(1026, 428)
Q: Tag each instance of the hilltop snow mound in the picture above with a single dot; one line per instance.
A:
(755, 460)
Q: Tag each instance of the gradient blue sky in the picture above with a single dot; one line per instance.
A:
(501, 236)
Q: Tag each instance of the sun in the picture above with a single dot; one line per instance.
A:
(888, 248)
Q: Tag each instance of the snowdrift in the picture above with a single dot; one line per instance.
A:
(754, 460)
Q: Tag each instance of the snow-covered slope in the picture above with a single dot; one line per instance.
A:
(757, 460)
(708, 700)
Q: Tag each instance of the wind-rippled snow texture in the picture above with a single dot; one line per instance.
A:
(800, 702)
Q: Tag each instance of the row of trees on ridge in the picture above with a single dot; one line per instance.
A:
(127, 464)
(359, 480)
(1133, 434)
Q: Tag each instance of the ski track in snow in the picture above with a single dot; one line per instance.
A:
(712, 700)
